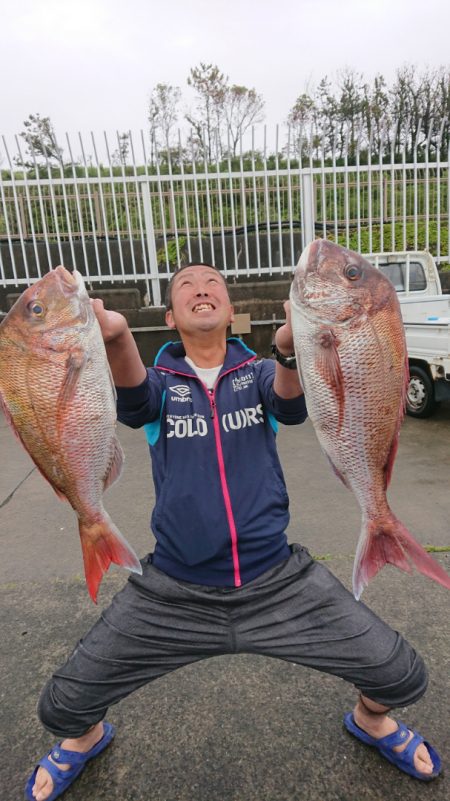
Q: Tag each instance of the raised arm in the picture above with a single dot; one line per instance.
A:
(127, 367)
(286, 383)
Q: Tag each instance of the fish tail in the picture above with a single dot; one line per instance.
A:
(388, 541)
(101, 544)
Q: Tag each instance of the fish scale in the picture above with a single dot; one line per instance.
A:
(351, 354)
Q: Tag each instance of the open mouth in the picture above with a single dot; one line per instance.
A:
(202, 307)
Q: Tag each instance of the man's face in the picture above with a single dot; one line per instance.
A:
(200, 301)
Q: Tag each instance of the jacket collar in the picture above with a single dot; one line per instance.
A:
(171, 356)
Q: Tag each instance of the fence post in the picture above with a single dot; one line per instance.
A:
(151, 244)
(308, 216)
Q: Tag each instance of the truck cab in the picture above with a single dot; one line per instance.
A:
(426, 317)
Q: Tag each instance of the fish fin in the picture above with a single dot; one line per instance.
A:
(75, 363)
(328, 364)
(116, 466)
(10, 421)
(8, 417)
(111, 381)
(102, 543)
(388, 541)
(401, 413)
(337, 472)
(390, 461)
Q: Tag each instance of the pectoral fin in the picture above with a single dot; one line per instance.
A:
(75, 363)
(328, 364)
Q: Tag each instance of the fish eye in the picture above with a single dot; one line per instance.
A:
(353, 272)
(36, 308)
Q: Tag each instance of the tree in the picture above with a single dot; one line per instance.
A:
(301, 119)
(407, 106)
(350, 106)
(119, 156)
(41, 141)
(443, 105)
(211, 88)
(327, 113)
(375, 111)
(243, 107)
(162, 116)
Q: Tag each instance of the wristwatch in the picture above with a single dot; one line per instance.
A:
(286, 361)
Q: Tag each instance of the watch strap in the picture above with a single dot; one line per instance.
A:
(286, 361)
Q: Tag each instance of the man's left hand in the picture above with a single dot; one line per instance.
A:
(284, 339)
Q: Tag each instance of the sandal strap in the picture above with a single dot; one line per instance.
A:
(397, 737)
(410, 750)
(64, 757)
(58, 775)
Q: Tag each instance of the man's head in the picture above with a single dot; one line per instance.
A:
(197, 299)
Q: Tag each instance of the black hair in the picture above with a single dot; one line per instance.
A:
(168, 296)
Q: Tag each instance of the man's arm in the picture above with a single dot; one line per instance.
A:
(286, 383)
(126, 365)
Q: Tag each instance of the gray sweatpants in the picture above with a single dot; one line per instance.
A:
(296, 611)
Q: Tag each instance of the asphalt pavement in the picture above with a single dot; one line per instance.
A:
(233, 728)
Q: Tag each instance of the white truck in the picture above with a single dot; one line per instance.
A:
(426, 316)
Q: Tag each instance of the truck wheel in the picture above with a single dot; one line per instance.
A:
(420, 400)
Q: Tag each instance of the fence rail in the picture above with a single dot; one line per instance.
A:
(137, 223)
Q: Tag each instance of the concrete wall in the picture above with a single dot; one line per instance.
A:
(263, 300)
(110, 252)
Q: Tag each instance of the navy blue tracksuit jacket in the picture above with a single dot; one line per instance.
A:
(221, 502)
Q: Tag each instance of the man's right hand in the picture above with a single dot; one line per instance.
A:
(125, 362)
(112, 323)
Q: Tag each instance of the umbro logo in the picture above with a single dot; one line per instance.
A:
(181, 389)
(182, 393)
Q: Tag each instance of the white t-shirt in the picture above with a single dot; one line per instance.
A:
(206, 374)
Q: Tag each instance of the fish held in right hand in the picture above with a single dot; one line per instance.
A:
(58, 395)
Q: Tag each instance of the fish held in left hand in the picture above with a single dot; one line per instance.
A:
(351, 352)
(57, 393)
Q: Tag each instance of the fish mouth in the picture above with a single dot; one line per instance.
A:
(307, 263)
(309, 257)
(69, 282)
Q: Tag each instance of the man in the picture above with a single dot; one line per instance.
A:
(222, 578)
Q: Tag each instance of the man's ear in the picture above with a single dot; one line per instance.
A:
(231, 314)
(170, 322)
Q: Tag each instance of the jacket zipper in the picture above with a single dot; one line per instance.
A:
(220, 459)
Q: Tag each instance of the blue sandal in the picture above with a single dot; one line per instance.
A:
(62, 779)
(402, 759)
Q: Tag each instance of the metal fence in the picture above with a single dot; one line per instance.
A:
(138, 219)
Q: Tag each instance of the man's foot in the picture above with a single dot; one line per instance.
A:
(379, 725)
(43, 785)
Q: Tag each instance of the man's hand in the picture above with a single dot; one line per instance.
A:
(284, 339)
(121, 349)
(287, 382)
(112, 323)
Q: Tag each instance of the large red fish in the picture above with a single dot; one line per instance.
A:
(57, 393)
(350, 345)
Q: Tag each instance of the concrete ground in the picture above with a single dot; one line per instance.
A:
(238, 728)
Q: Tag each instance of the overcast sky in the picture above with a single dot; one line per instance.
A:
(91, 64)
